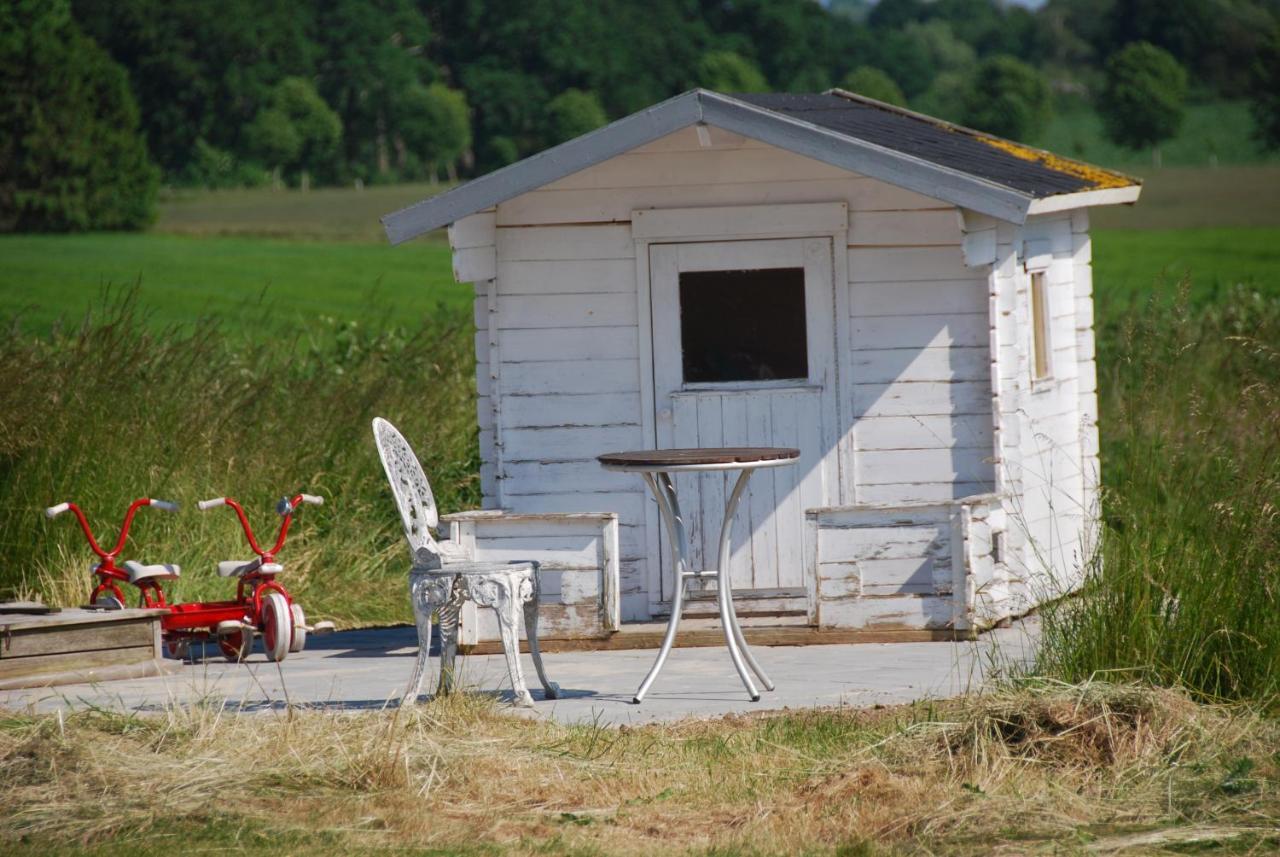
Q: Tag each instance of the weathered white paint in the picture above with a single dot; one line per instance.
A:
(929, 365)
(578, 565)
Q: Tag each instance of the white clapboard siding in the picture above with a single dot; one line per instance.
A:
(887, 365)
(590, 241)
(895, 228)
(609, 309)
(922, 432)
(535, 477)
(730, 166)
(566, 276)
(568, 443)
(614, 205)
(920, 331)
(959, 464)
(927, 297)
(570, 376)
(923, 492)
(915, 398)
(570, 343)
(904, 264)
(592, 409)
(899, 612)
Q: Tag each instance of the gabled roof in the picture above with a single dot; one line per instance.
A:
(958, 165)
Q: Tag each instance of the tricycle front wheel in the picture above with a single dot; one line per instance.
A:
(277, 626)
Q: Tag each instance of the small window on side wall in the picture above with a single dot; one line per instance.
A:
(1041, 347)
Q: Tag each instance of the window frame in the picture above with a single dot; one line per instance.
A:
(1040, 326)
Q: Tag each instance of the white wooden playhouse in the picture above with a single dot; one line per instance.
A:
(906, 301)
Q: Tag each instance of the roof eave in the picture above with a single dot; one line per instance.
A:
(1126, 195)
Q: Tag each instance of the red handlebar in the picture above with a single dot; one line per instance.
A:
(286, 508)
(54, 511)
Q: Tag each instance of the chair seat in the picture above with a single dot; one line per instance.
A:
(482, 567)
(138, 571)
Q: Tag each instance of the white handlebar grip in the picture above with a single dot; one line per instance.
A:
(313, 499)
(55, 511)
(164, 505)
(205, 505)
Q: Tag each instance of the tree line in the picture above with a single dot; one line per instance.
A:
(101, 100)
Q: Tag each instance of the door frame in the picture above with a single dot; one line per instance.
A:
(729, 223)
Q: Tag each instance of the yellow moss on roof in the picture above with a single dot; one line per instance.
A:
(1097, 177)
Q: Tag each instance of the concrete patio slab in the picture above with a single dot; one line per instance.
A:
(367, 669)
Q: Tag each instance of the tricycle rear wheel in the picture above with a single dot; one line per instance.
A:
(236, 646)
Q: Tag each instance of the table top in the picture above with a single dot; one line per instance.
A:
(702, 458)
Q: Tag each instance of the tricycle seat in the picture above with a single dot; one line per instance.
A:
(241, 567)
(160, 571)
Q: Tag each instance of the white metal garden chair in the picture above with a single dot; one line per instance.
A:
(443, 576)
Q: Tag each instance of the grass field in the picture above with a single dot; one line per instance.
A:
(1041, 769)
(1222, 129)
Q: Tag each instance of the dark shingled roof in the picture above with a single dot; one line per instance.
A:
(999, 161)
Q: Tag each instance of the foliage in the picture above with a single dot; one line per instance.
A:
(436, 125)
(1265, 95)
(214, 168)
(1186, 590)
(1141, 104)
(573, 113)
(71, 156)
(874, 83)
(1006, 97)
(115, 409)
(726, 71)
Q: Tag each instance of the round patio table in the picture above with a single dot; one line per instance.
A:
(656, 467)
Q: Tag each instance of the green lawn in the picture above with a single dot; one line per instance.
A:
(47, 277)
(1137, 263)
(1222, 129)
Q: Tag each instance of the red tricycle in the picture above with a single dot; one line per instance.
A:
(262, 604)
(107, 594)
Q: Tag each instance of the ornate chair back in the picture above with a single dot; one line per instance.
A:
(413, 495)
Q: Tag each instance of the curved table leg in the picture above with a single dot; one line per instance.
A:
(724, 595)
(670, 507)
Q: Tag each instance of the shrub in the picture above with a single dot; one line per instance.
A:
(1006, 97)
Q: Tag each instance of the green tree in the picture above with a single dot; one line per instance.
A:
(1141, 103)
(436, 125)
(874, 83)
(1265, 94)
(71, 154)
(1006, 97)
(726, 71)
(573, 113)
(295, 131)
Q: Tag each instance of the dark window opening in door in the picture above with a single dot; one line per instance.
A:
(743, 325)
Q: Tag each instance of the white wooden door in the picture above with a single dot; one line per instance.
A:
(744, 355)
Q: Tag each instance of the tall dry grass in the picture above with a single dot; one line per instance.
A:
(1186, 589)
(115, 409)
(1044, 768)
